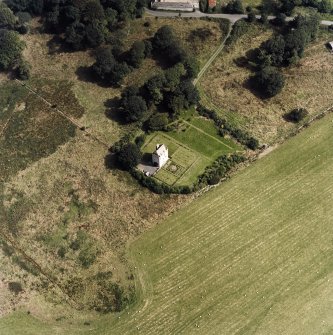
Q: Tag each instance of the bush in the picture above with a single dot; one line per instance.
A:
(15, 287)
(269, 81)
(296, 115)
(238, 30)
(158, 122)
(23, 70)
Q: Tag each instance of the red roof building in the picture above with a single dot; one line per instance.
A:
(211, 3)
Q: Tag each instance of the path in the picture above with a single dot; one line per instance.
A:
(201, 131)
(211, 59)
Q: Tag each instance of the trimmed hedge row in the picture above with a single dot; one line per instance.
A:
(226, 128)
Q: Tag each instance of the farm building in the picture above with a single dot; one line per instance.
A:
(211, 3)
(178, 5)
(160, 156)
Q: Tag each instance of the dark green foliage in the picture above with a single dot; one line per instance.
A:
(226, 128)
(173, 77)
(166, 43)
(214, 173)
(75, 35)
(135, 108)
(136, 54)
(148, 48)
(192, 67)
(158, 121)
(11, 48)
(7, 18)
(23, 17)
(296, 115)
(154, 88)
(251, 17)
(34, 7)
(269, 81)
(287, 49)
(107, 68)
(129, 156)
(15, 287)
(238, 30)
(234, 7)
(323, 6)
(183, 97)
(203, 5)
(23, 70)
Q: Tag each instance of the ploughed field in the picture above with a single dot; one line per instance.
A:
(253, 256)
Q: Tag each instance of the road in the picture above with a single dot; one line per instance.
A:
(197, 14)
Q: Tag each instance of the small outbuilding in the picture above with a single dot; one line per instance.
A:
(160, 156)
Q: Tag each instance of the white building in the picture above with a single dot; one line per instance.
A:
(177, 5)
(160, 156)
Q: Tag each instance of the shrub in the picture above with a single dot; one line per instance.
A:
(296, 115)
(238, 30)
(15, 287)
(158, 122)
(23, 70)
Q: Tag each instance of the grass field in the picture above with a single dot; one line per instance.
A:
(307, 85)
(253, 256)
(193, 145)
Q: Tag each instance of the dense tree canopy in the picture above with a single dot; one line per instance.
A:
(129, 156)
(11, 48)
(7, 18)
(107, 68)
(269, 81)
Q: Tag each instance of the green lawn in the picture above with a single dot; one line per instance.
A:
(194, 145)
(253, 256)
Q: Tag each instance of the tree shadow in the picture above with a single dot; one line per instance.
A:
(251, 85)
(113, 111)
(110, 161)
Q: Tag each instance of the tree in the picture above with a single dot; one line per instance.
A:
(7, 18)
(275, 47)
(296, 115)
(23, 70)
(164, 39)
(158, 121)
(134, 108)
(192, 67)
(23, 17)
(173, 76)
(234, 7)
(75, 35)
(108, 68)
(95, 33)
(136, 54)
(129, 156)
(269, 81)
(11, 48)
(251, 16)
(154, 88)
